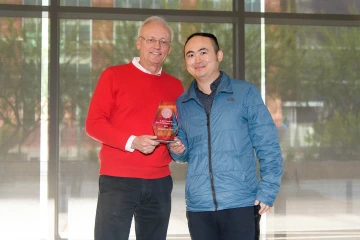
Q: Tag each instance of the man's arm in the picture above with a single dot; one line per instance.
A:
(97, 123)
(264, 136)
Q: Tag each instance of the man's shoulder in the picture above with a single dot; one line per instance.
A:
(240, 84)
(113, 72)
(175, 82)
(185, 95)
(167, 75)
(234, 81)
(119, 67)
(181, 97)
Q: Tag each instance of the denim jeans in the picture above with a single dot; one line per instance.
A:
(120, 199)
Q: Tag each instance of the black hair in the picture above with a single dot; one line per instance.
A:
(208, 35)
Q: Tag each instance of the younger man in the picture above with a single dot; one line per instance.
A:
(223, 122)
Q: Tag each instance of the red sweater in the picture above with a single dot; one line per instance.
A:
(124, 103)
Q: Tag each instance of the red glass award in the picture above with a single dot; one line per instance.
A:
(165, 124)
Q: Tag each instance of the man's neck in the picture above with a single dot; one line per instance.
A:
(153, 69)
(136, 62)
(204, 85)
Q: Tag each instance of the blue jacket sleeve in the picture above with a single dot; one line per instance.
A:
(265, 140)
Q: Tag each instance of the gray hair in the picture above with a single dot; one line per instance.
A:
(159, 20)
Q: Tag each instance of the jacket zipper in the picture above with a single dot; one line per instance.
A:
(210, 162)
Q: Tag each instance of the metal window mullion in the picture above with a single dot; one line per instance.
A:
(239, 39)
(54, 105)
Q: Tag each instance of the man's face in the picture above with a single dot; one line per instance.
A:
(201, 60)
(153, 54)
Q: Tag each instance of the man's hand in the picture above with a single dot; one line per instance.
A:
(264, 208)
(177, 147)
(145, 144)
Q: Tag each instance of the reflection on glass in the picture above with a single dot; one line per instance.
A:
(20, 72)
(305, 6)
(210, 5)
(78, 3)
(312, 92)
(22, 2)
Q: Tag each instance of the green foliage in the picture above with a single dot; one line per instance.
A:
(75, 70)
(20, 82)
(302, 64)
(340, 135)
(338, 82)
(319, 64)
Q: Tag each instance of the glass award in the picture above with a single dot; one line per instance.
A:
(165, 124)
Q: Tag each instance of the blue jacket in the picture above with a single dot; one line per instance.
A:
(221, 172)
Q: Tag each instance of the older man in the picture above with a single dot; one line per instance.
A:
(134, 172)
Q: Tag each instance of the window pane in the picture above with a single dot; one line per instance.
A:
(78, 3)
(304, 6)
(312, 85)
(20, 109)
(218, 5)
(21, 2)
(87, 47)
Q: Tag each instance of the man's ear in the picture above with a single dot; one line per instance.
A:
(138, 43)
(169, 50)
(220, 55)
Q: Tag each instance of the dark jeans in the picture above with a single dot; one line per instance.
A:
(121, 199)
(229, 224)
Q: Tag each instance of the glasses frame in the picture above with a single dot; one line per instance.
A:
(152, 41)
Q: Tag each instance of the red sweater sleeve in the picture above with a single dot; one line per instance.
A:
(98, 125)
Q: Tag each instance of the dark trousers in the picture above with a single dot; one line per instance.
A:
(121, 199)
(229, 224)
(257, 222)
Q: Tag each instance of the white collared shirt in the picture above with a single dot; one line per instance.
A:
(136, 63)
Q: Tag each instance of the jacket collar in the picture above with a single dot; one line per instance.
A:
(224, 87)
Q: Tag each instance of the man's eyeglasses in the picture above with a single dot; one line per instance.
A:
(152, 41)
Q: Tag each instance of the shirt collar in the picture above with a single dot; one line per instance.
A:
(136, 63)
(213, 86)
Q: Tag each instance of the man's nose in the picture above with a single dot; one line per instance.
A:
(197, 58)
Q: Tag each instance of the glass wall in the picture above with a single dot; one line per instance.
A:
(22, 2)
(305, 64)
(311, 81)
(304, 6)
(20, 127)
(210, 5)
